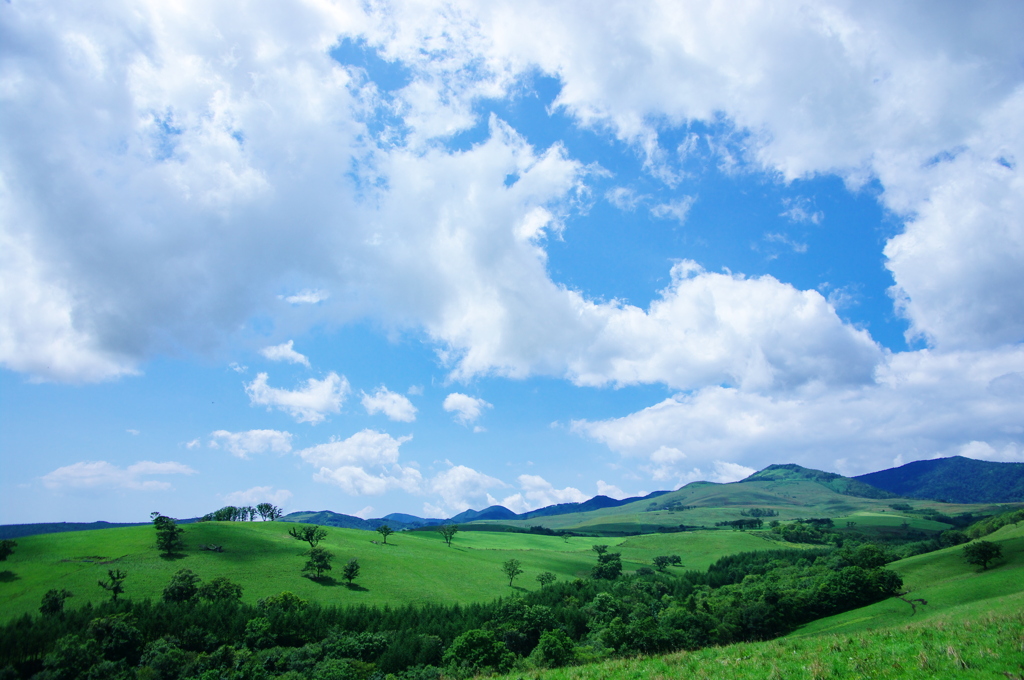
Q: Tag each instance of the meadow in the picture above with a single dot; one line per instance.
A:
(413, 568)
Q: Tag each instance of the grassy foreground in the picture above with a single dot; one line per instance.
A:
(415, 567)
(986, 646)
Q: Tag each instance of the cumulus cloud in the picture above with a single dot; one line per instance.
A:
(466, 408)
(461, 488)
(243, 444)
(610, 490)
(258, 494)
(537, 492)
(284, 352)
(923, 405)
(395, 406)
(345, 464)
(308, 404)
(624, 198)
(104, 475)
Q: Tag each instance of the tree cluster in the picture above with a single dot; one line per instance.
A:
(246, 513)
(168, 535)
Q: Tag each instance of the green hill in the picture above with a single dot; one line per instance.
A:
(956, 479)
(414, 567)
(830, 480)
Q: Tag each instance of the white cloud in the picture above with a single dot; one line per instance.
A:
(258, 494)
(610, 490)
(344, 463)
(537, 492)
(104, 475)
(309, 404)
(466, 408)
(306, 297)
(132, 432)
(624, 198)
(284, 352)
(800, 210)
(923, 405)
(365, 513)
(194, 444)
(393, 405)
(461, 488)
(676, 210)
(243, 444)
(237, 368)
(796, 246)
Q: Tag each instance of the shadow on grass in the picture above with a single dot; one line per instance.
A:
(8, 576)
(356, 587)
(324, 580)
(171, 557)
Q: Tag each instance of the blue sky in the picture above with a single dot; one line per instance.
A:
(421, 257)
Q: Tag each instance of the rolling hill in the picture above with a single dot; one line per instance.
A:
(956, 480)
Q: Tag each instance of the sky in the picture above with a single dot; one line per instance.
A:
(419, 257)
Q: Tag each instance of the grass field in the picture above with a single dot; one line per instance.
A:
(415, 567)
(950, 647)
(704, 504)
(972, 627)
(948, 583)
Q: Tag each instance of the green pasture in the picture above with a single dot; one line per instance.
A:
(985, 645)
(948, 583)
(706, 504)
(414, 567)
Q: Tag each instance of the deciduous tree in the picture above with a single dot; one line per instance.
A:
(7, 547)
(220, 589)
(512, 568)
(310, 534)
(268, 512)
(982, 552)
(114, 583)
(168, 534)
(53, 602)
(183, 586)
(319, 561)
(351, 570)
(385, 531)
(546, 578)
(448, 532)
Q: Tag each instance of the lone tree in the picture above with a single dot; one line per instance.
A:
(220, 588)
(448, 532)
(660, 562)
(982, 552)
(319, 561)
(350, 570)
(53, 602)
(268, 512)
(310, 534)
(385, 531)
(114, 583)
(512, 568)
(546, 578)
(599, 549)
(168, 534)
(7, 547)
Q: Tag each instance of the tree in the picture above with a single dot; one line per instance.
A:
(268, 512)
(661, 561)
(114, 583)
(385, 531)
(168, 534)
(609, 566)
(319, 561)
(183, 586)
(351, 570)
(512, 568)
(220, 589)
(546, 578)
(599, 549)
(310, 534)
(448, 532)
(7, 547)
(982, 552)
(53, 602)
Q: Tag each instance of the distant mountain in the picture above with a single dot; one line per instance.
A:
(595, 503)
(956, 480)
(848, 486)
(336, 519)
(493, 512)
(411, 520)
(18, 530)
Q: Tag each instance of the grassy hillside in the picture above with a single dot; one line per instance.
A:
(703, 504)
(950, 647)
(414, 567)
(972, 627)
(948, 583)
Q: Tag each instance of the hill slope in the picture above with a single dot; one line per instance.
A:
(956, 479)
(846, 486)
